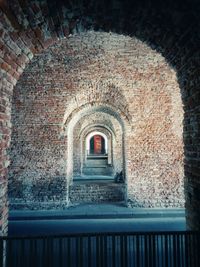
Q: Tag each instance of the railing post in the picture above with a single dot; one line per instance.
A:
(178, 250)
(101, 251)
(105, 250)
(60, 244)
(9, 256)
(166, 251)
(69, 251)
(80, 251)
(173, 251)
(122, 249)
(89, 251)
(113, 251)
(137, 250)
(197, 249)
(2, 255)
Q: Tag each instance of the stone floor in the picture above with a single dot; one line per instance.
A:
(107, 210)
(95, 218)
(93, 178)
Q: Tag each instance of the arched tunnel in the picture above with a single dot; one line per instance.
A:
(131, 65)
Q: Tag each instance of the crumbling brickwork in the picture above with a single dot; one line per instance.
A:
(104, 69)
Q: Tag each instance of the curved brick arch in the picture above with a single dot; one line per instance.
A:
(171, 30)
(99, 125)
(97, 106)
(45, 94)
(80, 145)
(115, 132)
(115, 156)
(84, 111)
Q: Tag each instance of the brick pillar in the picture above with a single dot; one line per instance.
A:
(5, 134)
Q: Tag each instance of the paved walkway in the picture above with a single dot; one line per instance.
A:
(95, 218)
(96, 211)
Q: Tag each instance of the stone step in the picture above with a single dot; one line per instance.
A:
(98, 170)
(91, 178)
(96, 192)
(96, 162)
(97, 156)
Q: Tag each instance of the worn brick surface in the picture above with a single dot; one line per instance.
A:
(169, 27)
(93, 73)
(96, 192)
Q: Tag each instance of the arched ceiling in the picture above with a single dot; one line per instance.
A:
(164, 24)
(97, 120)
(87, 111)
(171, 27)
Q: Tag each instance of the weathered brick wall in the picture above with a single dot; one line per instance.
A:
(96, 192)
(156, 147)
(101, 69)
(13, 57)
(171, 27)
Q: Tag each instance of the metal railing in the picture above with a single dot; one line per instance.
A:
(158, 249)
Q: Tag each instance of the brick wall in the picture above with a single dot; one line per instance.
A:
(96, 192)
(106, 69)
(172, 28)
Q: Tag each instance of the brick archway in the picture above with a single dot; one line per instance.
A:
(70, 129)
(27, 30)
(110, 134)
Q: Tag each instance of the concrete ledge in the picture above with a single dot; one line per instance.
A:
(99, 211)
